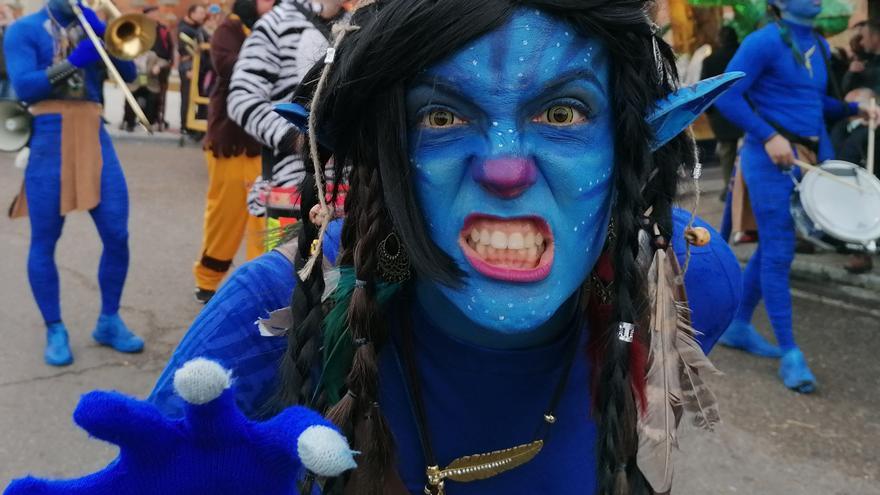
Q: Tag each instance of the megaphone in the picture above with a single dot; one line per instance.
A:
(15, 125)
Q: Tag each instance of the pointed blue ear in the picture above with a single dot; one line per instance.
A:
(297, 115)
(674, 113)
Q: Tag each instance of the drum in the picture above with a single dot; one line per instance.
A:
(835, 216)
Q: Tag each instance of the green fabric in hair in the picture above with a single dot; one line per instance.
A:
(338, 345)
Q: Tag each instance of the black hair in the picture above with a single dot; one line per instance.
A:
(192, 8)
(362, 113)
(727, 37)
(246, 10)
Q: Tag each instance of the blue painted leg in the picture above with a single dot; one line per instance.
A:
(57, 351)
(111, 331)
(742, 335)
(795, 373)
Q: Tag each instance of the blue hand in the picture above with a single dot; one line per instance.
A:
(84, 54)
(213, 449)
(97, 24)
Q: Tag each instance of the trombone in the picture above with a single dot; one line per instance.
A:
(127, 37)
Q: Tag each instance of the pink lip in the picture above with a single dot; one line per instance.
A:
(517, 275)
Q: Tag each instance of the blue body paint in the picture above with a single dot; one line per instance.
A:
(496, 88)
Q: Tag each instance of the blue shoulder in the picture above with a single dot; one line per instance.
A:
(713, 281)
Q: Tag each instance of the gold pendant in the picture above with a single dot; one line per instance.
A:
(480, 466)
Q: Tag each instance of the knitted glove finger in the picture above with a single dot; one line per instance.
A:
(131, 424)
(84, 54)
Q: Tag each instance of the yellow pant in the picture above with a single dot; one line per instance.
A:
(227, 218)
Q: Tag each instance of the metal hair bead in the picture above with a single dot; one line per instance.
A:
(626, 331)
(549, 418)
(361, 342)
(331, 55)
(360, 284)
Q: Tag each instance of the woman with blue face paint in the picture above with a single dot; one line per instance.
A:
(781, 102)
(512, 166)
(57, 71)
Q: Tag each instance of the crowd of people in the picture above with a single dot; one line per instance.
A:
(446, 205)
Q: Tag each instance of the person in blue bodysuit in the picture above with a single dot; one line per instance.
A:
(505, 259)
(782, 101)
(57, 71)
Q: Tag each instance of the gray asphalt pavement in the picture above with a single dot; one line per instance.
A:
(772, 441)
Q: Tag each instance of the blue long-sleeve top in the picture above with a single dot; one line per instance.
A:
(29, 48)
(478, 399)
(780, 89)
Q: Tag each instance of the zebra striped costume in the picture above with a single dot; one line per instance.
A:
(283, 46)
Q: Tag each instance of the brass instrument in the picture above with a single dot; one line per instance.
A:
(126, 37)
(196, 98)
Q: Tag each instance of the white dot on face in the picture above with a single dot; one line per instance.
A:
(522, 59)
(520, 75)
(558, 44)
(510, 305)
(494, 124)
(474, 62)
(525, 42)
(501, 317)
(566, 33)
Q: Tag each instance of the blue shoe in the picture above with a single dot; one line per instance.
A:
(112, 332)
(795, 373)
(57, 351)
(743, 336)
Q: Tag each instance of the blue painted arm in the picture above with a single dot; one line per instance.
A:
(213, 449)
(751, 58)
(28, 79)
(713, 281)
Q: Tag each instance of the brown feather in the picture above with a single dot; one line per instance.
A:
(657, 435)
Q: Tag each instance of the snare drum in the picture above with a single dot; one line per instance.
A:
(834, 216)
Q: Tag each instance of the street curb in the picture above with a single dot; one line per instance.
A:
(821, 272)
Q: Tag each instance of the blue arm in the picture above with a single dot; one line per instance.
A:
(20, 47)
(752, 59)
(226, 330)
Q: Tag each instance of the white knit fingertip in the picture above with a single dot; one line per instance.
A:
(324, 451)
(201, 380)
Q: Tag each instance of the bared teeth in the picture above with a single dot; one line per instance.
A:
(515, 241)
(515, 244)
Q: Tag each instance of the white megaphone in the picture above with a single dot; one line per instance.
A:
(15, 125)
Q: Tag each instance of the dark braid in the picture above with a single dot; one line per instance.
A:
(369, 332)
(303, 339)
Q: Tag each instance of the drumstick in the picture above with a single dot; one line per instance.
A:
(812, 168)
(872, 128)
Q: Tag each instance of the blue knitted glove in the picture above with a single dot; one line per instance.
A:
(96, 23)
(84, 54)
(213, 449)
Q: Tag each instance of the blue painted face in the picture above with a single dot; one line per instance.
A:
(512, 151)
(801, 9)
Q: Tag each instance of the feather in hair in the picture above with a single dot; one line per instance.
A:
(674, 386)
(657, 435)
(338, 347)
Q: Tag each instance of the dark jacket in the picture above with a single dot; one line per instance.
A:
(868, 78)
(225, 137)
(714, 65)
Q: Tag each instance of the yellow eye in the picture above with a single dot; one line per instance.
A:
(439, 119)
(561, 115)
